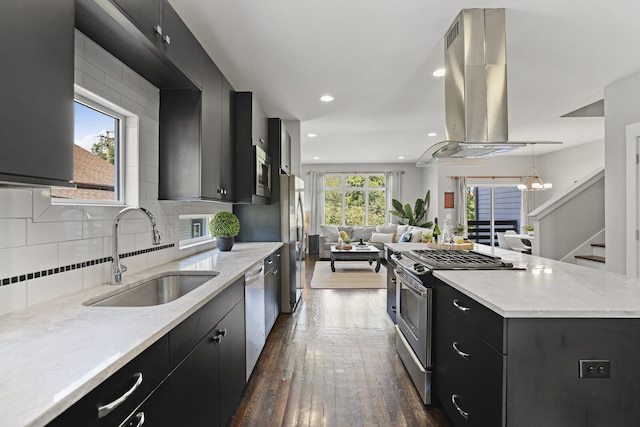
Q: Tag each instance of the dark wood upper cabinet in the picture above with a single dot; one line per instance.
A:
(280, 145)
(180, 46)
(145, 14)
(36, 105)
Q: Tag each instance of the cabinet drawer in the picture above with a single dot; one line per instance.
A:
(486, 323)
(271, 261)
(184, 337)
(148, 369)
(468, 371)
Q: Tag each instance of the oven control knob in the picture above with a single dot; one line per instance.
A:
(398, 255)
(418, 267)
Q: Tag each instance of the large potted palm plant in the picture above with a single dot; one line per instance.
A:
(416, 217)
(224, 226)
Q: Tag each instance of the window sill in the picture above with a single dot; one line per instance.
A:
(194, 244)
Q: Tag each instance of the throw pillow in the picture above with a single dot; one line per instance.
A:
(387, 229)
(400, 230)
(406, 237)
(329, 232)
(416, 236)
(381, 238)
(363, 233)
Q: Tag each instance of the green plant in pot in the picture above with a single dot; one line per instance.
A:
(416, 216)
(224, 226)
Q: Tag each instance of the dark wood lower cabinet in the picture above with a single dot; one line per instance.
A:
(207, 384)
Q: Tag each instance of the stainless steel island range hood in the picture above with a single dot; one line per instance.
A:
(475, 89)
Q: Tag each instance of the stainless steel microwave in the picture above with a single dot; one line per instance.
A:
(262, 184)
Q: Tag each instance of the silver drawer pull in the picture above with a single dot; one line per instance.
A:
(140, 418)
(460, 352)
(454, 398)
(104, 410)
(459, 306)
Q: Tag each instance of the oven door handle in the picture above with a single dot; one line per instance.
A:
(414, 290)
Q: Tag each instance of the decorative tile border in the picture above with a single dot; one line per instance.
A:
(37, 274)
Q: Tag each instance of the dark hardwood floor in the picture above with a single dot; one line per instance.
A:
(333, 363)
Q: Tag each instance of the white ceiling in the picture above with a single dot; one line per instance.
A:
(376, 58)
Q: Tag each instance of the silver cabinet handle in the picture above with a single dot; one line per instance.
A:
(460, 352)
(278, 255)
(104, 410)
(270, 262)
(218, 337)
(166, 39)
(275, 272)
(454, 398)
(459, 306)
(393, 280)
(140, 418)
(158, 29)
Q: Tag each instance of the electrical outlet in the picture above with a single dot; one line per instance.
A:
(595, 368)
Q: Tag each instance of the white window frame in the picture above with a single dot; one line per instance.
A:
(126, 185)
(187, 243)
(344, 188)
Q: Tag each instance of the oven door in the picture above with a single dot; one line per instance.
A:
(414, 314)
(262, 186)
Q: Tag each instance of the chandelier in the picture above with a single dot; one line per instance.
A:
(533, 182)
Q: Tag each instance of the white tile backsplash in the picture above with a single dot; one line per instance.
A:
(48, 232)
(56, 285)
(28, 259)
(13, 297)
(16, 203)
(13, 232)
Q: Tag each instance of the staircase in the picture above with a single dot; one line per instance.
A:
(594, 260)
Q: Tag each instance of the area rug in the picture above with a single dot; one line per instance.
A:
(348, 275)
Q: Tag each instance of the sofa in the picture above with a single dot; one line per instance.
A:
(376, 236)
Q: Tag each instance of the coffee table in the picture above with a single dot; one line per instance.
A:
(371, 253)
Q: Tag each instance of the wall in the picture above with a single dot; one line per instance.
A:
(622, 108)
(412, 179)
(564, 167)
(47, 251)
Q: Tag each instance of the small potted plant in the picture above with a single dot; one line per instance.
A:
(224, 226)
(458, 233)
(528, 229)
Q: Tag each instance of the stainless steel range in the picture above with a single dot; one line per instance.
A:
(414, 300)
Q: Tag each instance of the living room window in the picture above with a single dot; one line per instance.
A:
(357, 199)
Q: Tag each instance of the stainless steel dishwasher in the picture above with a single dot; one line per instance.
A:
(254, 314)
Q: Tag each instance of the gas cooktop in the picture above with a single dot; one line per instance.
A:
(423, 261)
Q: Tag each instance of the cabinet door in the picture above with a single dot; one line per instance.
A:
(145, 14)
(36, 105)
(210, 146)
(285, 152)
(195, 395)
(226, 144)
(231, 360)
(180, 45)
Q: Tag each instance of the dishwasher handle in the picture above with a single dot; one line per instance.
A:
(254, 275)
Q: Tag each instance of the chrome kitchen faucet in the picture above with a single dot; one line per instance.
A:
(117, 267)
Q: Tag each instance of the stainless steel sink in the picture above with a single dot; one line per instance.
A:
(158, 290)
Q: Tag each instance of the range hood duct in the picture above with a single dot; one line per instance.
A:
(475, 89)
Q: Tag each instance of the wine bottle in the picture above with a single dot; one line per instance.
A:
(436, 231)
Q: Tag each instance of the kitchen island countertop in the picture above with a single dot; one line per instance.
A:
(55, 352)
(545, 289)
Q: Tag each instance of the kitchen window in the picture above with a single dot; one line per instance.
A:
(194, 229)
(355, 199)
(98, 154)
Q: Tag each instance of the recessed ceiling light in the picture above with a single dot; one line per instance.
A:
(316, 158)
(326, 98)
(432, 134)
(312, 135)
(401, 157)
(439, 72)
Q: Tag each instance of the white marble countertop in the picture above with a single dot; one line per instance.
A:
(547, 288)
(52, 354)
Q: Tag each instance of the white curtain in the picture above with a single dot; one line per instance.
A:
(316, 196)
(461, 201)
(393, 190)
(526, 206)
